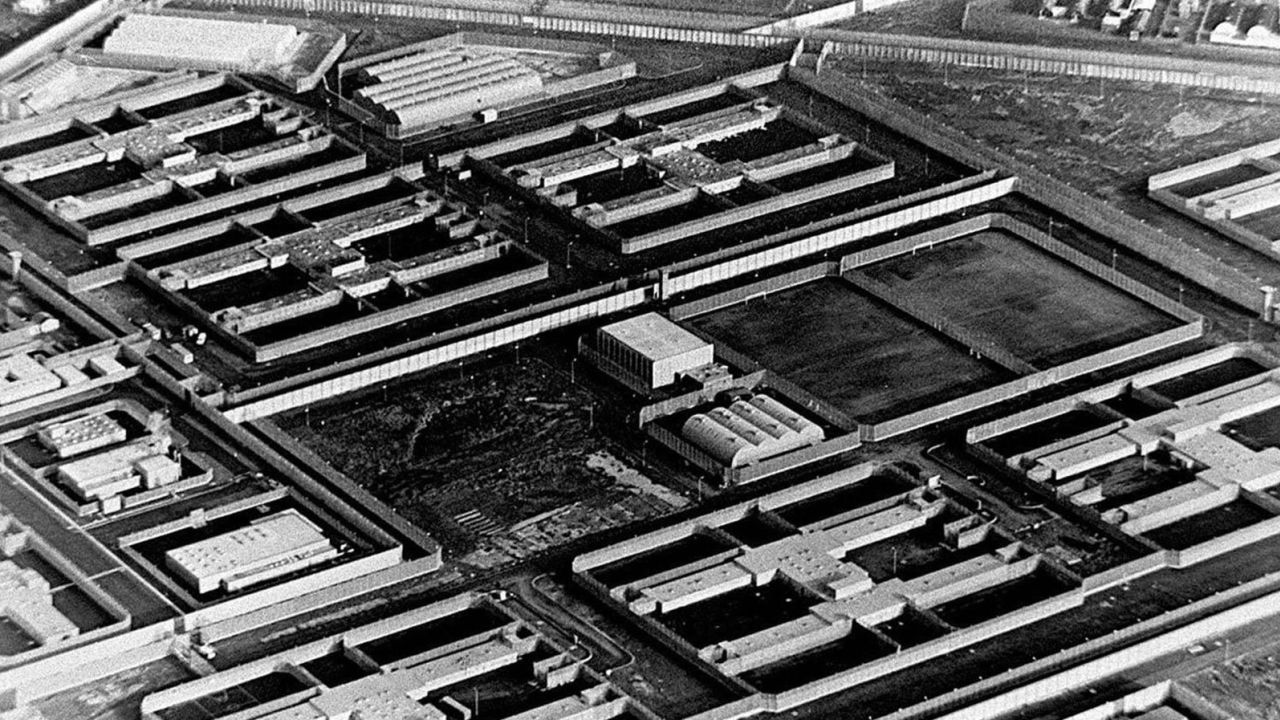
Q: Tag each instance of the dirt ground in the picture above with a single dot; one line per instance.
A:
(1247, 688)
(1100, 136)
(470, 452)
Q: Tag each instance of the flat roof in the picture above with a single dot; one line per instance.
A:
(274, 536)
(654, 336)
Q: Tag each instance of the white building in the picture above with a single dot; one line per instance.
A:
(651, 349)
(270, 547)
(206, 41)
(748, 431)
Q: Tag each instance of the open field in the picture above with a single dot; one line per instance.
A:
(470, 452)
(1017, 21)
(864, 357)
(1032, 304)
(1102, 137)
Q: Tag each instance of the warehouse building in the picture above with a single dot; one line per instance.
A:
(470, 76)
(747, 431)
(229, 43)
(651, 349)
(436, 85)
(268, 548)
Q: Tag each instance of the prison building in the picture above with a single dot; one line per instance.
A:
(220, 43)
(651, 349)
(27, 601)
(117, 471)
(430, 88)
(267, 548)
(22, 377)
(747, 432)
(81, 435)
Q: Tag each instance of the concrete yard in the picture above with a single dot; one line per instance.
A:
(862, 356)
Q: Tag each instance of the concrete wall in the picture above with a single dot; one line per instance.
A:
(1007, 424)
(1007, 57)
(834, 238)
(804, 21)
(1030, 383)
(741, 213)
(314, 376)
(408, 311)
(705, 28)
(667, 535)
(960, 705)
(52, 39)
(393, 369)
(1131, 704)
(52, 675)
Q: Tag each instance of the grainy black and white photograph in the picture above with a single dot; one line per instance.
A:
(639, 360)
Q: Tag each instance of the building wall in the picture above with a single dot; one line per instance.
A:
(434, 303)
(388, 371)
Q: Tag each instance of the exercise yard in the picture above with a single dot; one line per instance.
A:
(1032, 304)
(857, 353)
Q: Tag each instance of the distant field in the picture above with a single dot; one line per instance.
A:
(861, 355)
(1034, 305)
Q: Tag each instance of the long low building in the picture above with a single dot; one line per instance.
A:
(471, 75)
(233, 43)
(272, 546)
(748, 431)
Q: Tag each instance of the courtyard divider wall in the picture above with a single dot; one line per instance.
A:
(977, 343)
(1007, 424)
(1007, 57)
(745, 293)
(1021, 386)
(422, 9)
(267, 389)
(1089, 662)
(832, 239)
(387, 371)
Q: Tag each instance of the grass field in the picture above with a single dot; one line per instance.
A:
(1034, 305)
(1103, 137)
(855, 352)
